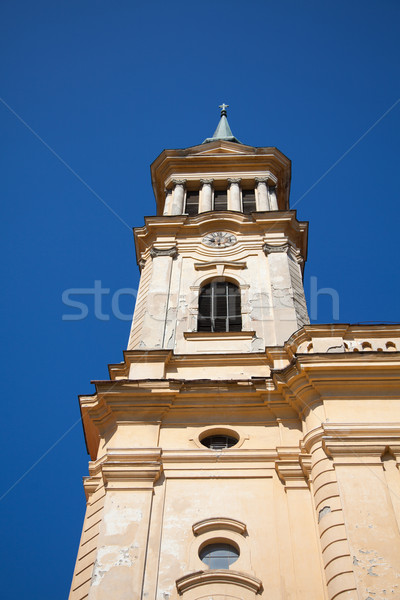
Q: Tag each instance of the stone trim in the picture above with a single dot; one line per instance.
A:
(214, 576)
(219, 523)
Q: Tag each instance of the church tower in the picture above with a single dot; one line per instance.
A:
(225, 448)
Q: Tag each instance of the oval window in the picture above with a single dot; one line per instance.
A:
(219, 555)
(219, 442)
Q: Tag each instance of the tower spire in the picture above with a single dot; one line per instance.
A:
(223, 131)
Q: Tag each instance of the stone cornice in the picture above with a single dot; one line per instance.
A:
(218, 523)
(214, 576)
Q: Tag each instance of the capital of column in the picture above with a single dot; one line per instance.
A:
(206, 181)
(261, 179)
(234, 180)
(179, 182)
(273, 249)
(173, 252)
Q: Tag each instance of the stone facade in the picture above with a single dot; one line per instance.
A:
(308, 494)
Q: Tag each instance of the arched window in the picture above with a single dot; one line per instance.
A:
(219, 307)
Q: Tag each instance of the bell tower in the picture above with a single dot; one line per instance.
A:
(223, 223)
(238, 452)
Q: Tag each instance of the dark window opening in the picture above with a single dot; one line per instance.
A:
(219, 442)
(220, 200)
(192, 203)
(249, 201)
(219, 307)
(219, 556)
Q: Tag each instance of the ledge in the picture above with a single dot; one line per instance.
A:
(219, 523)
(213, 576)
(219, 335)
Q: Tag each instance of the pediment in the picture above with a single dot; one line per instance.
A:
(221, 148)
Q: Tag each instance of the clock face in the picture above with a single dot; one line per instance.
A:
(219, 239)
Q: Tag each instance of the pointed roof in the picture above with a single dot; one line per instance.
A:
(223, 131)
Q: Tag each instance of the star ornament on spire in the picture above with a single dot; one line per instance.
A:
(223, 108)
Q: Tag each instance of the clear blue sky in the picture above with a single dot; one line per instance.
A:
(108, 86)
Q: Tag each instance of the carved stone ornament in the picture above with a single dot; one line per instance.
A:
(219, 239)
(173, 252)
(271, 249)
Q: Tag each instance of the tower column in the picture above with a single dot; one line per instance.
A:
(178, 196)
(262, 194)
(234, 196)
(273, 200)
(206, 195)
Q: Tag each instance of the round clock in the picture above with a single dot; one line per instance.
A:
(219, 239)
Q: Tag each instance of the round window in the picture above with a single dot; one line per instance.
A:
(219, 555)
(219, 442)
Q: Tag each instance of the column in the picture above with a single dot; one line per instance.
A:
(178, 196)
(262, 194)
(336, 555)
(234, 195)
(206, 195)
(168, 202)
(273, 200)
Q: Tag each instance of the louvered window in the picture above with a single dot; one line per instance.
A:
(249, 201)
(192, 203)
(220, 200)
(219, 307)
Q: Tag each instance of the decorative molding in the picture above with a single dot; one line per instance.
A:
(214, 576)
(173, 252)
(219, 523)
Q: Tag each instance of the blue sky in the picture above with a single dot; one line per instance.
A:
(107, 86)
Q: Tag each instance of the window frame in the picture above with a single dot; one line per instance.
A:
(214, 308)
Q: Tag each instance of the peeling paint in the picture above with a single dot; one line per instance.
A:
(324, 511)
(109, 557)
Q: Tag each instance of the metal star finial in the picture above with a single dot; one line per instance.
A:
(223, 108)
